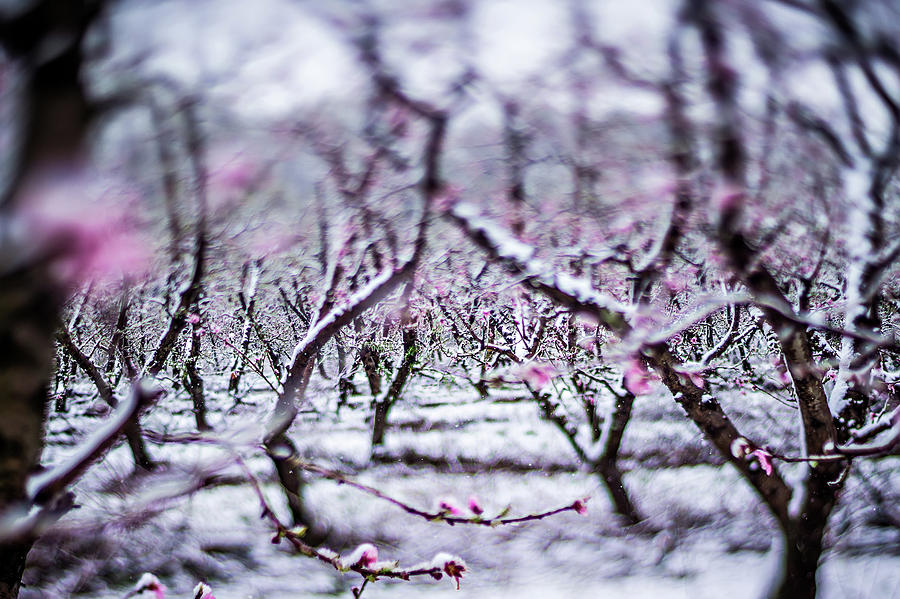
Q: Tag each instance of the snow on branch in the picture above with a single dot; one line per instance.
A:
(299, 370)
(46, 485)
(577, 293)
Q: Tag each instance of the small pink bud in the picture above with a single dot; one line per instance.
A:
(740, 448)
(193, 318)
(365, 555)
(579, 506)
(149, 582)
(449, 506)
(475, 506)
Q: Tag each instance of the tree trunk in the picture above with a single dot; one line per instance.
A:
(193, 381)
(371, 360)
(796, 576)
(379, 422)
(284, 455)
(607, 466)
(804, 533)
(12, 565)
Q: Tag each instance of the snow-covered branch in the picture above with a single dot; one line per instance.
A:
(45, 485)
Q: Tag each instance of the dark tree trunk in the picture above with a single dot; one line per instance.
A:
(618, 494)
(371, 361)
(379, 422)
(607, 466)
(12, 565)
(283, 453)
(404, 372)
(803, 535)
(54, 115)
(193, 381)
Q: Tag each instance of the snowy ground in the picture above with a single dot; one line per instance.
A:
(706, 535)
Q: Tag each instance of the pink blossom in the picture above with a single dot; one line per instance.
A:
(637, 379)
(230, 179)
(193, 318)
(740, 448)
(83, 228)
(695, 376)
(366, 555)
(536, 374)
(475, 506)
(764, 458)
(451, 565)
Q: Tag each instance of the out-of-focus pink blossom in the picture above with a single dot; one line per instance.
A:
(536, 374)
(637, 379)
(366, 555)
(727, 198)
(764, 458)
(271, 238)
(193, 318)
(230, 179)
(82, 228)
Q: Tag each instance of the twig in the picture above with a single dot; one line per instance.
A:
(439, 516)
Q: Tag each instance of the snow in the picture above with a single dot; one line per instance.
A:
(709, 534)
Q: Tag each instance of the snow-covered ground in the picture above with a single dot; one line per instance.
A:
(706, 534)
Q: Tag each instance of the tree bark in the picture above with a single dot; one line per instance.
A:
(607, 465)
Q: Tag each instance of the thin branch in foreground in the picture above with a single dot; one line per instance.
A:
(47, 484)
(446, 514)
(363, 565)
